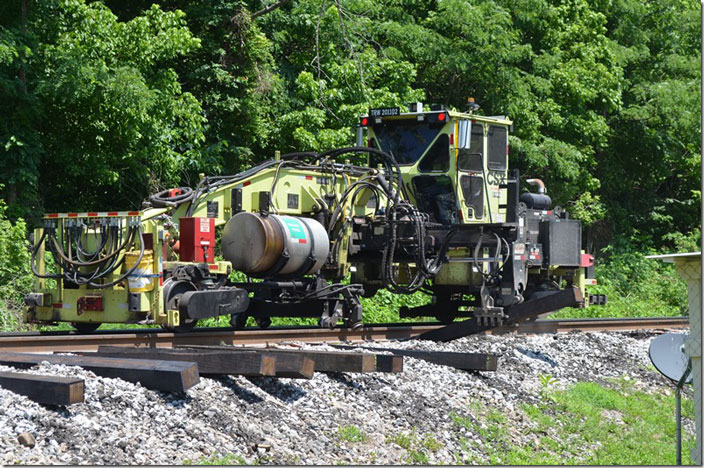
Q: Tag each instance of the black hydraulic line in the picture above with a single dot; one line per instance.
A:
(276, 179)
(81, 251)
(128, 272)
(360, 184)
(68, 259)
(224, 180)
(162, 199)
(117, 261)
(72, 273)
(300, 154)
(388, 159)
(35, 250)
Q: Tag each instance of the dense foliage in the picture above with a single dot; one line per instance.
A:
(15, 274)
(104, 102)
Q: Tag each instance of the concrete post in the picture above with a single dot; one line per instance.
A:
(689, 268)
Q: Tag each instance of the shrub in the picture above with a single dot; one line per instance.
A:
(636, 287)
(15, 274)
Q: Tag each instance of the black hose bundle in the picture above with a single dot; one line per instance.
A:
(165, 198)
(81, 267)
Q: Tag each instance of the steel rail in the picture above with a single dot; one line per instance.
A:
(152, 337)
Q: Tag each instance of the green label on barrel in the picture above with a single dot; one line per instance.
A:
(295, 228)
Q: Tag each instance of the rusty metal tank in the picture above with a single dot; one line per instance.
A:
(274, 245)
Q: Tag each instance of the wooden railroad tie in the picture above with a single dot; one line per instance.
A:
(462, 361)
(169, 376)
(325, 361)
(209, 363)
(222, 361)
(44, 389)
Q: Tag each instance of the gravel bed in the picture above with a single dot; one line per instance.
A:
(286, 421)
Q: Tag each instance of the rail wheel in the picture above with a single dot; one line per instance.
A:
(238, 321)
(85, 327)
(445, 310)
(264, 322)
(173, 290)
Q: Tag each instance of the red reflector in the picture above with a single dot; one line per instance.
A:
(302, 241)
(523, 257)
(549, 212)
(452, 138)
(309, 177)
(73, 215)
(441, 117)
(92, 214)
(112, 213)
(53, 215)
(246, 183)
(212, 267)
(57, 305)
(369, 143)
(365, 122)
(587, 260)
(133, 213)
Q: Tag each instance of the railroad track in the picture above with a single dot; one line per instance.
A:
(151, 337)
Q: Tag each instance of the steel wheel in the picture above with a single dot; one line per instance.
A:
(238, 321)
(85, 327)
(173, 290)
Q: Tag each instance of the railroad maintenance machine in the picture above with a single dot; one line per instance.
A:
(428, 204)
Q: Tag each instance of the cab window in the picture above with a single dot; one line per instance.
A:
(498, 148)
(406, 142)
(470, 158)
(437, 159)
(473, 191)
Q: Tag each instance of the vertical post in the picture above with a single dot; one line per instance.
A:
(678, 423)
(360, 136)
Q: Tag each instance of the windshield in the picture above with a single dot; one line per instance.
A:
(406, 143)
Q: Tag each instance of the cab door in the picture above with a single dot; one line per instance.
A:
(482, 165)
(471, 170)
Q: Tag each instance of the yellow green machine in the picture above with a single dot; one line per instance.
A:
(425, 201)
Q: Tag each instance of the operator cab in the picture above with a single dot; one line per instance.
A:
(453, 164)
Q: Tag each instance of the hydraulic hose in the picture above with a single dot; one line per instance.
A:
(35, 250)
(163, 199)
(128, 272)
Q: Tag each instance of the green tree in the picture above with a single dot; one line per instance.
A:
(334, 71)
(20, 145)
(115, 121)
(651, 169)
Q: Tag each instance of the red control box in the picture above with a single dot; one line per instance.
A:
(197, 243)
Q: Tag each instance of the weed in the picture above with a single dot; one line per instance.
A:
(400, 439)
(416, 449)
(547, 380)
(351, 434)
(418, 456)
(431, 443)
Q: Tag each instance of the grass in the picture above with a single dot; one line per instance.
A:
(351, 434)
(586, 423)
(418, 449)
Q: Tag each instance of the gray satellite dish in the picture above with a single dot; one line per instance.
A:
(667, 355)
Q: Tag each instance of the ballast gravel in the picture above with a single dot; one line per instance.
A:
(331, 419)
